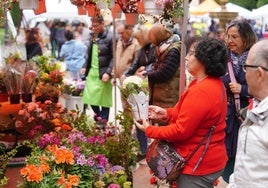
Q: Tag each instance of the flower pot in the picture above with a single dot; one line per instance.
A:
(78, 2)
(26, 97)
(14, 98)
(3, 97)
(74, 101)
(151, 8)
(92, 10)
(116, 11)
(132, 18)
(41, 7)
(81, 10)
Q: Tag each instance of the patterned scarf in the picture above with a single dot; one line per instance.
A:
(237, 61)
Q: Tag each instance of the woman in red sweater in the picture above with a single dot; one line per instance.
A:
(201, 106)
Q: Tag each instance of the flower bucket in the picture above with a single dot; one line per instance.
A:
(26, 97)
(81, 10)
(151, 8)
(14, 98)
(3, 97)
(41, 7)
(132, 18)
(73, 101)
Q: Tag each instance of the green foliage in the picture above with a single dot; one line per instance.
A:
(122, 149)
(248, 4)
(262, 3)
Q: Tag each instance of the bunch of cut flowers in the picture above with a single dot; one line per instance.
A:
(50, 86)
(73, 87)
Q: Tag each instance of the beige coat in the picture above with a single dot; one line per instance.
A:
(124, 57)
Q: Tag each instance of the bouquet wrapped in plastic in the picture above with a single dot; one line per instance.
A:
(135, 90)
(29, 81)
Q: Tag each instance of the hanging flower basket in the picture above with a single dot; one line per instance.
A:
(132, 18)
(78, 2)
(116, 11)
(92, 10)
(81, 10)
(41, 7)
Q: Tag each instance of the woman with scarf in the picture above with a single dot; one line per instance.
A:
(239, 38)
(164, 78)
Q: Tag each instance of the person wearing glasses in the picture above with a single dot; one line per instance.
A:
(240, 37)
(97, 70)
(201, 106)
(250, 164)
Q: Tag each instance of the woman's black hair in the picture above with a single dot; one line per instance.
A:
(213, 54)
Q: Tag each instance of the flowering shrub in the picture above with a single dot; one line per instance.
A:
(68, 149)
(37, 119)
(73, 158)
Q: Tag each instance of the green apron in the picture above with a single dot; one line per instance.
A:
(96, 91)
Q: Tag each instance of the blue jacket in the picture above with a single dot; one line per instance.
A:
(74, 53)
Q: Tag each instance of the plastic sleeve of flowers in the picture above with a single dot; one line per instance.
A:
(29, 80)
(12, 79)
(139, 104)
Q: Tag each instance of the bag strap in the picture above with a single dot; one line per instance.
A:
(207, 136)
(232, 77)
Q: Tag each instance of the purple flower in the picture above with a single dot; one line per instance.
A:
(81, 160)
(47, 139)
(117, 168)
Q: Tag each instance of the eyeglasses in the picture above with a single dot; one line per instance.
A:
(245, 66)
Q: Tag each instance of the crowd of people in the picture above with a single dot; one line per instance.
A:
(229, 73)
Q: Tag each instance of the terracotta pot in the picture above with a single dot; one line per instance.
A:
(116, 11)
(132, 18)
(3, 97)
(81, 10)
(41, 7)
(92, 10)
(78, 2)
(14, 98)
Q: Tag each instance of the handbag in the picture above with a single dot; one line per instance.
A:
(166, 163)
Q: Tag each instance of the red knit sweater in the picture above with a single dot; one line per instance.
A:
(202, 105)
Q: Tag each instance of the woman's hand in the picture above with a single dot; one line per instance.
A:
(142, 126)
(235, 87)
(157, 113)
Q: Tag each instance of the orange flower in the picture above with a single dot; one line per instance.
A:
(73, 179)
(32, 173)
(66, 127)
(61, 180)
(64, 156)
(44, 168)
(56, 122)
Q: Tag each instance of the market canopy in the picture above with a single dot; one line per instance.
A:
(205, 7)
